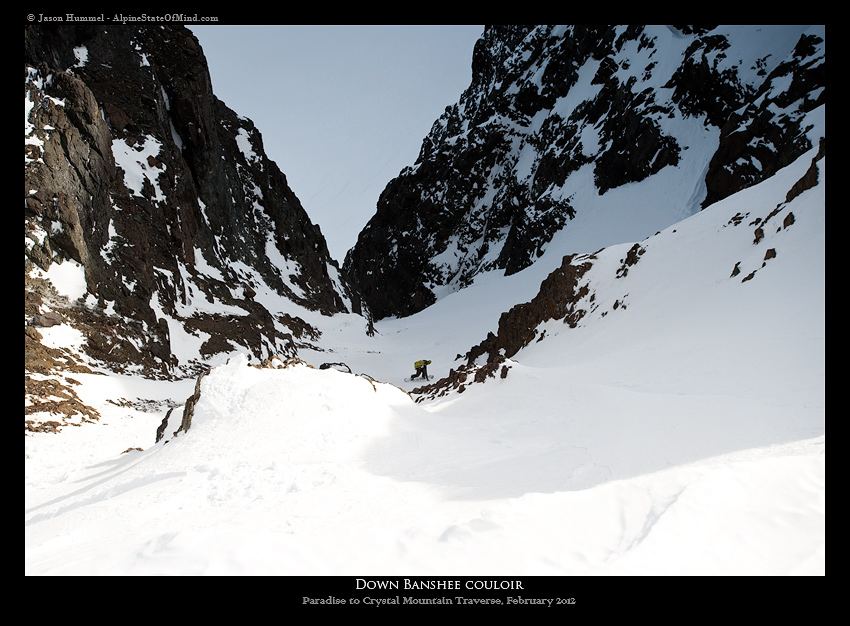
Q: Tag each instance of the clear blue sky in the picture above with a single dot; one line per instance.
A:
(342, 109)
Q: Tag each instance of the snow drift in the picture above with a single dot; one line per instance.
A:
(678, 429)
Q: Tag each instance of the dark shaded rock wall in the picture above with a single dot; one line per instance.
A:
(136, 171)
(486, 192)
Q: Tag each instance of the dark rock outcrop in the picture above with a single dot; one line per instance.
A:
(761, 130)
(166, 200)
(497, 176)
(560, 298)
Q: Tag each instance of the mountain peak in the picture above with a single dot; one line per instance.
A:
(561, 124)
(186, 233)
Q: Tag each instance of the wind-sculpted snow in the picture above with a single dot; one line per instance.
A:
(303, 471)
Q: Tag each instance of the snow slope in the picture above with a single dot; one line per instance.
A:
(678, 433)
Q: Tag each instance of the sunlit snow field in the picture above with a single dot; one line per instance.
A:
(682, 433)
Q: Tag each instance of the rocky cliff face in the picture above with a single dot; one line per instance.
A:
(162, 199)
(559, 121)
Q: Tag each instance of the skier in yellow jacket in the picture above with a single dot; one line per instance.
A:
(421, 369)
